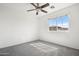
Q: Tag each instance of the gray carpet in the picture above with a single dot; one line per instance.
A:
(38, 48)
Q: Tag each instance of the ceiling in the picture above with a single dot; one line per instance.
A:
(23, 7)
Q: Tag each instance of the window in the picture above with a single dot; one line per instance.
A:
(59, 23)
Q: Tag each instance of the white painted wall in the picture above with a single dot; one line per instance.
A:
(71, 38)
(16, 25)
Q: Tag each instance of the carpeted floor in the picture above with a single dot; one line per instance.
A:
(38, 48)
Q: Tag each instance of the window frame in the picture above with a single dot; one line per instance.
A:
(56, 22)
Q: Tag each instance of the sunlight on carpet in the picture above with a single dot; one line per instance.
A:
(43, 47)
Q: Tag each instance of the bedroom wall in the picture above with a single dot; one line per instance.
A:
(71, 38)
(16, 25)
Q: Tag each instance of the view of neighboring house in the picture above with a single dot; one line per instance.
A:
(59, 23)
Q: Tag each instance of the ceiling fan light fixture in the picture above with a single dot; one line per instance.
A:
(52, 6)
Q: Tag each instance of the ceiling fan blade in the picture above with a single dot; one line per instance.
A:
(31, 9)
(37, 13)
(44, 11)
(45, 5)
(34, 5)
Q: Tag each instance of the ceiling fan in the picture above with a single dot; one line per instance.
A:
(39, 8)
